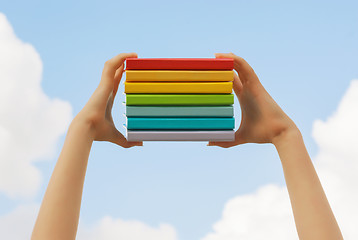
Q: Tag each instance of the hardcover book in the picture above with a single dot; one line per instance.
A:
(180, 123)
(179, 99)
(179, 76)
(179, 64)
(178, 87)
(179, 111)
(226, 135)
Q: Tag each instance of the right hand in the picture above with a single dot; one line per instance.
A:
(263, 121)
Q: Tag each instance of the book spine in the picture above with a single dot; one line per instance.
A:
(179, 111)
(180, 99)
(180, 123)
(178, 76)
(183, 87)
(179, 64)
(226, 135)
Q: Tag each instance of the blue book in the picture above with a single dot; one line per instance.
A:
(138, 123)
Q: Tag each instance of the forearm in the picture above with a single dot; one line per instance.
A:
(313, 216)
(59, 212)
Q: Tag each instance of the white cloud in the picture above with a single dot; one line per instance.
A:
(18, 224)
(112, 229)
(266, 214)
(337, 160)
(30, 122)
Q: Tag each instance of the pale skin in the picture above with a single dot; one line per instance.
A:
(263, 121)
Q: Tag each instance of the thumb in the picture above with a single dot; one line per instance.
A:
(119, 139)
(222, 144)
(238, 140)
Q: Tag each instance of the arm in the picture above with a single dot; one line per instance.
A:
(313, 215)
(60, 208)
(263, 121)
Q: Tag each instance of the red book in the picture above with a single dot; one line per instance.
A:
(180, 64)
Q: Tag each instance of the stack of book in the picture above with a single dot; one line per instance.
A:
(179, 99)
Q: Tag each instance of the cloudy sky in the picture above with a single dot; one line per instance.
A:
(51, 58)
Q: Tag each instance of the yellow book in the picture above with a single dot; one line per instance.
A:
(178, 76)
(178, 87)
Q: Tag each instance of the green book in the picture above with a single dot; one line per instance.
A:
(179, 99)
(136, 123)
(179, 111)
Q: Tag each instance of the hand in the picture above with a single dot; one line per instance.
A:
(262, 119)
(98, 110)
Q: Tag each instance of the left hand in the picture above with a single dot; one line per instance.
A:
(98, 110)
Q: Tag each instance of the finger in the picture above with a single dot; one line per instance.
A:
(237, 84)
(239, 139)
(222, 144)
(119, 139)
(109, 105)
(119, 73)
(111, 66)
(245, 71)
(117, 79)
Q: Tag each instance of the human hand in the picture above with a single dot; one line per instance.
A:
(98, 110)
(262, 121)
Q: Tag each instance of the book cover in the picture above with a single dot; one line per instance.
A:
(226, 135)
(179, 111)
(179, 99)
(179, 63)
(180, 123)
(178, 87)
(179, 76)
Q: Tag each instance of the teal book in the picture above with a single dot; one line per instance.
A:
(136, 123)
(179, 111)
(179, 99)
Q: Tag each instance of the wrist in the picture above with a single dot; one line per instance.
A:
(286, 136)
(82, 126)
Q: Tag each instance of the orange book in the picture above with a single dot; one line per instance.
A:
(178, 76)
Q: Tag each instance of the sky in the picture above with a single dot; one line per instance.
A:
(51, 59)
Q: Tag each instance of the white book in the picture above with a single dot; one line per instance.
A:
(224, 136)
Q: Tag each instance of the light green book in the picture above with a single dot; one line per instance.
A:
(179, 99)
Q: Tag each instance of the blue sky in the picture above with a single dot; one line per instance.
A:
(305, 53)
